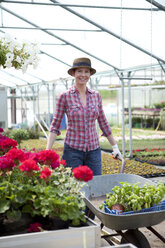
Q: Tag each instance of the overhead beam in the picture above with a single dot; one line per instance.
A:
(11, 75)
(49, 55)
(110, 32)
(80, 5)
(54, 29)
(155, 3)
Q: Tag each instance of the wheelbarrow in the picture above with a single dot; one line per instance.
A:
(127, 225)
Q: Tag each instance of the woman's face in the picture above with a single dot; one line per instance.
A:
(82, 75)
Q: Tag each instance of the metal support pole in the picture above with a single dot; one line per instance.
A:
(130, 116)
(118, 108)
(48, 105)
(34, 112)
(54, 97)
(123, 128)
(38, 106)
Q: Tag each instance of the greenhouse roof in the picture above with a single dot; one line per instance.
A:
(115, 35)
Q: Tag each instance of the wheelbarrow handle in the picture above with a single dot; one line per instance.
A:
(122, 164)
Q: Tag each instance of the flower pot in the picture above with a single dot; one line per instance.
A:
(86, 236)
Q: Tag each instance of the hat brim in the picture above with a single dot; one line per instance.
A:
(70, 71)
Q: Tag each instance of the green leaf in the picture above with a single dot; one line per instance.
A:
(4, 205)
(14, 214)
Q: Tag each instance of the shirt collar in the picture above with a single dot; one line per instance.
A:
(73, 90)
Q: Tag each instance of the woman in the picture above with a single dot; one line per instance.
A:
(82, 107)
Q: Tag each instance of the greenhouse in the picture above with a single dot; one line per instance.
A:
(39, 40)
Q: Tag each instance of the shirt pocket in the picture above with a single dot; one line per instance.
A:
(93, 112)
(74, 112)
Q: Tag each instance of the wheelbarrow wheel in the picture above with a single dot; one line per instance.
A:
(135, 237)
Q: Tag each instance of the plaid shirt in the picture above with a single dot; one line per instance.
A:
(81, 130)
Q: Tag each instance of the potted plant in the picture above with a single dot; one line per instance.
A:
(36, 188)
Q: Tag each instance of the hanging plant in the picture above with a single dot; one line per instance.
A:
(16, 54)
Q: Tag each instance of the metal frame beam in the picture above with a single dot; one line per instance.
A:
(80, 5)
(110, 32)
(155, 3)
(53, 29)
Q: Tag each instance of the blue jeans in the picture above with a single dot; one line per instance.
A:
(74, 158)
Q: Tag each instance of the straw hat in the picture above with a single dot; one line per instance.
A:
(81, 62)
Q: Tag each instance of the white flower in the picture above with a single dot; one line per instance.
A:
(18, 59)
(8, 64)
(9, 56)
(18, 55)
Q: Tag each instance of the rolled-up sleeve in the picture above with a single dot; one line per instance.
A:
(59, 114)
(102, 120)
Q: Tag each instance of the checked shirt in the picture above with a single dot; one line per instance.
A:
(81, 120)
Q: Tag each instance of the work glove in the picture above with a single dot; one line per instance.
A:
(116, 153)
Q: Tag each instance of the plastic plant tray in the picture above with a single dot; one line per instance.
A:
(159, 207)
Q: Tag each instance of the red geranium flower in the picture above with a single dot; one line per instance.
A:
(45, 173)
(16, 154)
(55, 164)
(83, 173)
(35, 227)
(63, 162)
(1, 130)
(32, 155)
(6, 163)
(29, 165)
(49, 157)
(8, 143)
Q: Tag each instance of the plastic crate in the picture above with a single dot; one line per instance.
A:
(159, 207)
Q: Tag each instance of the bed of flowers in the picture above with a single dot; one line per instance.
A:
(112, 166)
(109, 165)
(37, 191)
(154, 156)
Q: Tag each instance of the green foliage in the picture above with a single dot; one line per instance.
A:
(159, 105)
(17, 134)
(162, 118)
(161, 82)
(135, 121)
(33, 134)
(149, 152)
(107, 93)
(60, 196)
(133, 197)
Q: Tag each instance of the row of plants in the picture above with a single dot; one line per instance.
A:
(140, 122)
(109, 165)
(157, 105)
(35, 185)
(21, 134)
(157, 152)
(161, 82)
(154, 156)
(149, 152)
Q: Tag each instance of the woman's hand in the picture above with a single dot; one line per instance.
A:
(116, 153)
